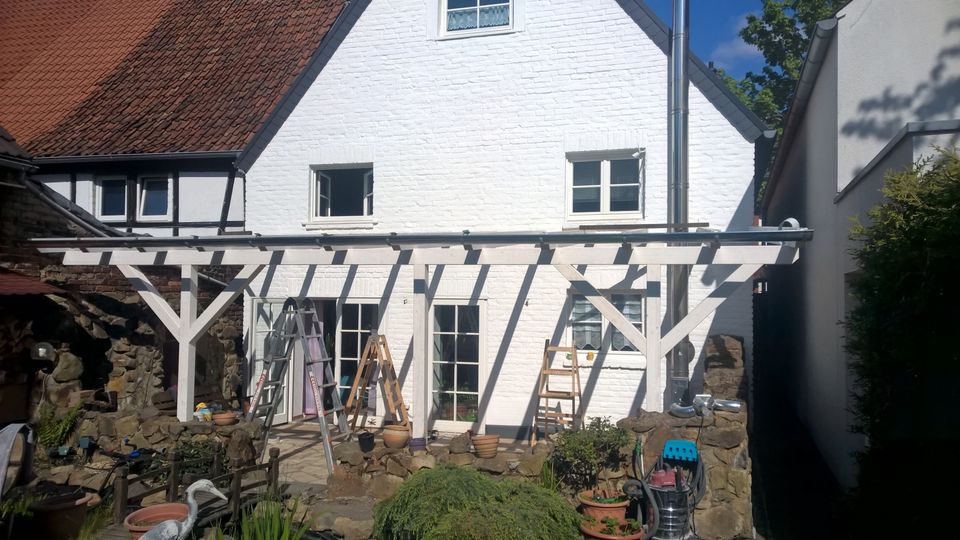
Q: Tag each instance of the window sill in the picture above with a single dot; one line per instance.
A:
(464, 34)
(359, 222)
(613, 360)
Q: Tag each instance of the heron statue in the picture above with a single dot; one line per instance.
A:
(172, 529)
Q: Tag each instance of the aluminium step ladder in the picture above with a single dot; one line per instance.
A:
(550, 413)
(376, 359)
(298, 325)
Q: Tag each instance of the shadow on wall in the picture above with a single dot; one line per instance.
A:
(882, 116)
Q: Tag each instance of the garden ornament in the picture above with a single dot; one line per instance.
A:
(172, 529)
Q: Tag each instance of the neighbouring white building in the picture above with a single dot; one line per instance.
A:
(879, 90)
(494, 116)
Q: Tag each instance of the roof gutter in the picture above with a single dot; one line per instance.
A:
(102, 158)
(822, 37)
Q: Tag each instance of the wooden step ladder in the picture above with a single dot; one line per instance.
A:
(376, 361)
(551, 412)
(299, 324)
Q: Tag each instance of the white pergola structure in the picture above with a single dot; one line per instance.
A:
(565, 251)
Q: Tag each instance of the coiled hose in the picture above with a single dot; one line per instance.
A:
(636, 489)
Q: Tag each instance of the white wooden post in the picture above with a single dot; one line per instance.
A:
(653, 398)
(421, 364)
(187, 356)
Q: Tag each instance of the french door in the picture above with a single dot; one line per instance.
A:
(265, 312)
(458, 365)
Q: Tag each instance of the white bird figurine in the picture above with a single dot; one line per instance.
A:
(172, 529)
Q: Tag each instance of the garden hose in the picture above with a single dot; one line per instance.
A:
(638, 489)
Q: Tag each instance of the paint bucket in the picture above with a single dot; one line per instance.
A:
(417, 444)
(366, 441)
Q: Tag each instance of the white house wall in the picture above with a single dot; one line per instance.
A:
(473, 134)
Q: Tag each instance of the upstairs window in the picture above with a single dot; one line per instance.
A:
(154, 197)
(476, 15)
(342, 193)
(604, 185)
(111, 199)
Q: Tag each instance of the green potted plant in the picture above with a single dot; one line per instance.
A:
(610, 528)
(580, 456)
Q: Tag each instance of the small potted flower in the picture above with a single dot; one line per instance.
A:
(610, 528)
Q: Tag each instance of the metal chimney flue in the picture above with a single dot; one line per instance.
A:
(678, 185)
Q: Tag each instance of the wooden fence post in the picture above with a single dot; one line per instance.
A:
(273, 478)
(217, 461)
(120, 495)
(173, 482)
(236, 489)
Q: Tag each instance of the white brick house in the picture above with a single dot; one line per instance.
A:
(414, 126)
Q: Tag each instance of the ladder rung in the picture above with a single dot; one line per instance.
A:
(554, 348)
(558, 395)
(556, 415)
(557, 371)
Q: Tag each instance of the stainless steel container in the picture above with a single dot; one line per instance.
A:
(674, 512)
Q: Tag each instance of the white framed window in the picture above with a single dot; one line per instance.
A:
(457, 360)
(603, 186)
(460, 18)
(591, 331)
(341, 194)
(154, 198)
(110, 198)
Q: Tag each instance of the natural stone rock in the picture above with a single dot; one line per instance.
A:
(384, 486)
(348, 452)
(460, 444)
(723, 438)
(543, 447)
(147, 413)
(461, 459)
(343, 483)
(69, 367)
(155, 498)
(59, 475)
(422, 462)
(351, 529)
(373, 466)
(497, 464)
(176, 429)
(739, 482)
(532, 464)
(199, 428)
(639, 424)
(241, 447)
(127, 425)
(396, 468)
(87, 428)
(718, 523)
(105, 425)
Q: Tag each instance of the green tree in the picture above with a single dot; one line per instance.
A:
(782, 34)
(902, 337)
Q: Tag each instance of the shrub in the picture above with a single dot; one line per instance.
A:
(579, 456)
(269, 520)
(455, 502)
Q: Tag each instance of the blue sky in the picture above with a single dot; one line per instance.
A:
(713, 32)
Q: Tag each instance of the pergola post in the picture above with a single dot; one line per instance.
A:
(187, 352)
(652, 324)
(421, 383)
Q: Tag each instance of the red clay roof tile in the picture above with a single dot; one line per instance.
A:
(90, 77)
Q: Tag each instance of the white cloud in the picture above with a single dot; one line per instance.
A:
(733, 51)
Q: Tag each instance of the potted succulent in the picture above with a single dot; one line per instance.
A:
(580, 456)
(610, 528)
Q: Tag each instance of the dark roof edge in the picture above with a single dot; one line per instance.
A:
(349, 15)
(742, 118)
(17, 164)
(99, 158)
(822, 37)
(74, 213)
(910, 129)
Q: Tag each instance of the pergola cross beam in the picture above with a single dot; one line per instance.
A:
(603, 305)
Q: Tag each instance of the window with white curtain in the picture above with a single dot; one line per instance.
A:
(476, 15)
(587, 325)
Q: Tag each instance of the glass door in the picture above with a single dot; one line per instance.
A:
(265, 312)
(456, 383)
(357, 321)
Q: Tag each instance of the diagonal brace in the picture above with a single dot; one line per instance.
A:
(608, 310)
(152, 297)
(223, 300)
(708, 305)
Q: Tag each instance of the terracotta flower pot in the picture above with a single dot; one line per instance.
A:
(141, 521)
(599, 511)
(395, 436)
(55, 518)
(485, 446)
(592, 530)
(225, 418)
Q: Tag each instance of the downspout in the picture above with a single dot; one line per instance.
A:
(678, 276)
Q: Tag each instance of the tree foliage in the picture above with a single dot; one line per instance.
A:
(782, 34)
(901, 334)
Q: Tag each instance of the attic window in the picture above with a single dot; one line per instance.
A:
(342, 193)
(111, 198)
(476, 15)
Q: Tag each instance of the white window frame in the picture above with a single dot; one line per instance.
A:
(455, 426)
(605, 215)
(443, 33)
(140, 194)
(606, 327)
(316, 222)
(98, 198)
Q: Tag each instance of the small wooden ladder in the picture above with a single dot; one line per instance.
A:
(551, 413)
(376, 357)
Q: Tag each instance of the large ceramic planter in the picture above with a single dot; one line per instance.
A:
(485, 446)
(592, 530)
(395, 436)
(599, 511)
(55, 518)
(141, 521)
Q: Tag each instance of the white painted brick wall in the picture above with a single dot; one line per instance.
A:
(472, 134)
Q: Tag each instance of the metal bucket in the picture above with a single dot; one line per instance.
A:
(674, 512)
